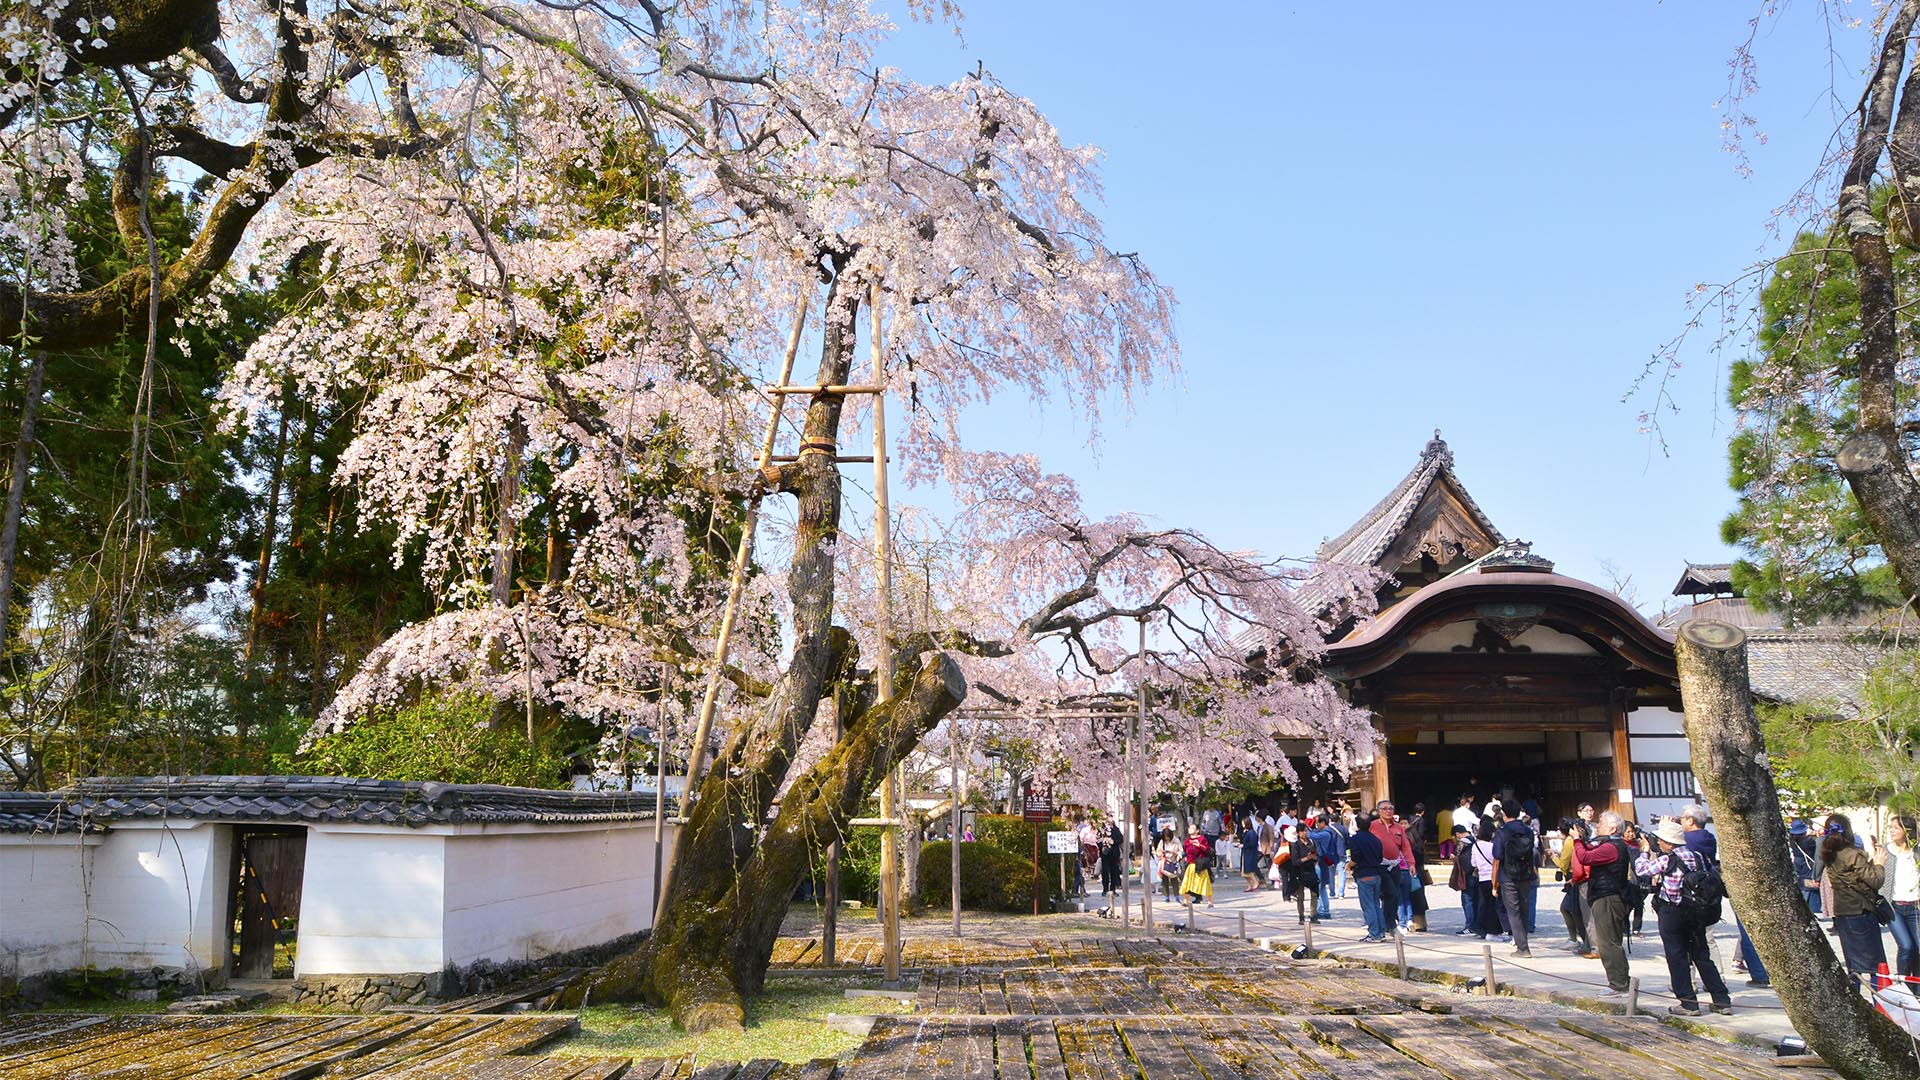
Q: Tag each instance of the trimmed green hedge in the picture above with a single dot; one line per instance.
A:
(991, 877)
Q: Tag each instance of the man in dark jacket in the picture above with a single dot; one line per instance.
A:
(1368, 868)
(1516, 873)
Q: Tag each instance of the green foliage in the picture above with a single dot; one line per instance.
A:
(1011, 833)
(1827, 754)
(991, 878)
(449, 738)
(859, 863)
(1811, 553)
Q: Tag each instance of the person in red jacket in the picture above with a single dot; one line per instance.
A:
(1609, 871)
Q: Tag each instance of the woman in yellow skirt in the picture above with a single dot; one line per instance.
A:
(1198, 882)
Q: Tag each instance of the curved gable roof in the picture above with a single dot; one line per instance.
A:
(1567, 604)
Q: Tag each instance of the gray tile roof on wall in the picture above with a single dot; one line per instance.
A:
(297, 800)
(1819, 664)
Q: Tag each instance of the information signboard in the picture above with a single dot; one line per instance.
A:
(1062, 843)
(1039, 801)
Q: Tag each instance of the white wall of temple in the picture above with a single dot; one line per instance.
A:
(520, 892)
(372, 902)
(145, 894)
(41, 928)
(1536, 639)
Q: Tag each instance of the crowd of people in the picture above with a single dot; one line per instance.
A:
(1612, 868)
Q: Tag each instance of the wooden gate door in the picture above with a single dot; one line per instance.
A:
(271, 865)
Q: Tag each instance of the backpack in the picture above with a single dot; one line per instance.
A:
(1701, 889)
(1517, 856)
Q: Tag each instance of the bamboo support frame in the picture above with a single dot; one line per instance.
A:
(883, 665)
(696, 757)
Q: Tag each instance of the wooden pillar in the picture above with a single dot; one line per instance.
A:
(1382, 789)
(1622, 796)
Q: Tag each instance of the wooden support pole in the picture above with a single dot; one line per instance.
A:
(1309, 936)
(883, 665)
(1633, 995)
(1140, 741)
(742, 556)
(1486, 957)
(953, 831)
(1243, 925)
(832, 389)
(1400, 950)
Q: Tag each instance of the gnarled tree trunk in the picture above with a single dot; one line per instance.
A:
(1731, 762)
(734, 870)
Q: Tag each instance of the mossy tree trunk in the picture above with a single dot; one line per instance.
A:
(1731, 762)
(734, 869)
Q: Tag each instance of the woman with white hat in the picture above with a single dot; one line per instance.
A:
(1683, 932)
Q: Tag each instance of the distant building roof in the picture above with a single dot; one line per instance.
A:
(1386, 527)
(297, 800)
(1706, 579)
(1812, 664)
(1737, 610)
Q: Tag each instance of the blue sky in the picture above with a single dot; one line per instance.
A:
(1483, 220)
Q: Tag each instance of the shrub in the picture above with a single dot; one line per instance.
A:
(1013, 834)
(449, 738)
(991, 878)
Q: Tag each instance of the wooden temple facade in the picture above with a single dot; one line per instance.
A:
(1489, 673)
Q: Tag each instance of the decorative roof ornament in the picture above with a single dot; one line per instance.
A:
(1514, 557)
(1437, 450)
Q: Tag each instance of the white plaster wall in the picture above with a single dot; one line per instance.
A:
(1656, 722)
(1658, 751)
(516, 893)
(373, 901)
(143, 895)
(159, 894)
(40, 913)
(1539, 639)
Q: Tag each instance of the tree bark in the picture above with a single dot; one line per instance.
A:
(1872, 460)
(705, 957)
(1730, 761)
(17, 491)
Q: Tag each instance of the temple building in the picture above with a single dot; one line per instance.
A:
(1487, 672)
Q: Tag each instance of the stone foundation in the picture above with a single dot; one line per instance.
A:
(90, 984)
(371, 993)
(367, 993)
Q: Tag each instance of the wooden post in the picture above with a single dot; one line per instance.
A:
(1036, 868)
(1309, 936)
(883, 664)
(1731, 763)
(1243, 925)
(1486, 957)
(1191, 925)
(1140, 741)
(659, 784)
(1633, 995)
(953, 832)
(1400, 949)
(1622, 796)
(735, 585)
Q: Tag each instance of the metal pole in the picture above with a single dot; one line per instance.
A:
(953, 836)
(883, 666)
(735, 585)
(1140, 739)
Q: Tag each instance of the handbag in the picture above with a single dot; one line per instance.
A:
(1460, 880)
(1883, 912)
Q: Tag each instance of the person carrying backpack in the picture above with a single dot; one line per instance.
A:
(1331, 851)
(1516, 873)
(1686, 899)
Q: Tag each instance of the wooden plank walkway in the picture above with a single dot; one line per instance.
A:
(1075, 1008)
(379, 1047)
